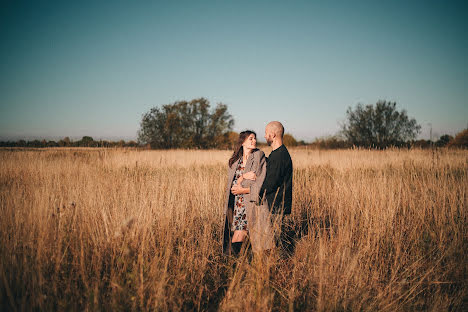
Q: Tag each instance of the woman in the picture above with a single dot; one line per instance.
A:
(246, 172)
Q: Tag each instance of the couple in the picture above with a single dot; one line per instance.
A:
(259, 191)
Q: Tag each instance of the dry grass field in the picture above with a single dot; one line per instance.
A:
(106, 229)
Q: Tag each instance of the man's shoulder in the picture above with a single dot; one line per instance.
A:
(286, 157)
(284, 151)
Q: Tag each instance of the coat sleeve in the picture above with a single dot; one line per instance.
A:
(230, 175)
(260, 173)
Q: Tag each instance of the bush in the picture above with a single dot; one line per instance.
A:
(460, 140)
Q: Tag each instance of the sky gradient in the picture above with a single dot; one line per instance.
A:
(83, 68)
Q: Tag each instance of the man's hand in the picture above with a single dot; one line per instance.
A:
(237, 190)
(250, 176)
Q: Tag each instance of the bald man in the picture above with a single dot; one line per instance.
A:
(277, 186)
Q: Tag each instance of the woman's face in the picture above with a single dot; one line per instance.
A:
(250, 142)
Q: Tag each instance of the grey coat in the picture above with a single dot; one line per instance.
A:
(256, 163)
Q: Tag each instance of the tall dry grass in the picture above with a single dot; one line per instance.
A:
(90, 229)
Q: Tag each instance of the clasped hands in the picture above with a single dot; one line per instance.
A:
(238, 189)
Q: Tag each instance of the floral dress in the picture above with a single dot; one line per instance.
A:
(239, 221)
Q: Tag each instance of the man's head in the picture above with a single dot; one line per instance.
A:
(274, 132)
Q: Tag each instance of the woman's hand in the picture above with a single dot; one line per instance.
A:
(250, 176)
(237, 190)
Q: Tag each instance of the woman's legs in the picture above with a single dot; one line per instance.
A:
(239, 236)
(237, 247)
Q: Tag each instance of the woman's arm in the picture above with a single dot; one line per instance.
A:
(249, 176)
(237, 190)
(258, 176)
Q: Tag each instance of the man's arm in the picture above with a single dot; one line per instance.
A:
(273, 177)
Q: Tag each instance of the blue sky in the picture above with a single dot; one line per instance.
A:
(89, 68)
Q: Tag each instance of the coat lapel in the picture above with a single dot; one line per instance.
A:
(248, 166)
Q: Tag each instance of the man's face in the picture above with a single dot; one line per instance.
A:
(268, 136)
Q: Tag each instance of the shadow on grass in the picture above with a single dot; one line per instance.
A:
(294, 229)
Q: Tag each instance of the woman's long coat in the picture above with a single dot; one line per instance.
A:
(256, 163)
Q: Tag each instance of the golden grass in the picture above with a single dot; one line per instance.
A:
(105, 229)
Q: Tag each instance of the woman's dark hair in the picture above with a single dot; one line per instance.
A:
(238, 150)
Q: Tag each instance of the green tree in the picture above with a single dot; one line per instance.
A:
(52, 144)
(379, 126)
(421, 143)
(86, 141)
(219, 126)
(444, 140)
(186, 124)
(35, 143)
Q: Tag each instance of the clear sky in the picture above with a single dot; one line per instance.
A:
(75, 68)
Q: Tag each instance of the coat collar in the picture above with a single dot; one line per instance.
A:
(249, 163)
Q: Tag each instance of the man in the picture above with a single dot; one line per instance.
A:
(277, 186)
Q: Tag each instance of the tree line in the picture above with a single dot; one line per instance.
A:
(85, 141)
(338, 142)
(195, 125)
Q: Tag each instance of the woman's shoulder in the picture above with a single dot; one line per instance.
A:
(233, 166)
(259, 153)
